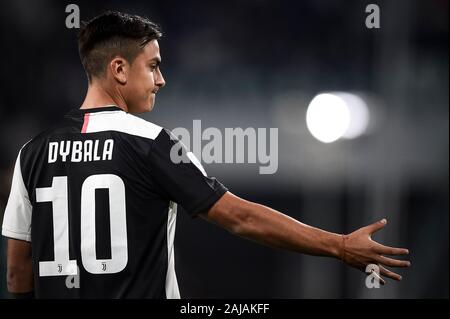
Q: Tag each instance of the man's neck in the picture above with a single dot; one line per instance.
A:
(97, 96)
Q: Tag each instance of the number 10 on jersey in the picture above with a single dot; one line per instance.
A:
(57, 194)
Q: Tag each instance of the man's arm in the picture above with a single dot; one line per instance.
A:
(270, 227)
(19, 269)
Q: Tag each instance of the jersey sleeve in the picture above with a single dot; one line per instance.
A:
(17, 217)
(181, 176)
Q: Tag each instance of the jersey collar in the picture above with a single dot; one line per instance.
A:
(101, 109)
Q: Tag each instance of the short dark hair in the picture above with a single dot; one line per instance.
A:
(110, 34)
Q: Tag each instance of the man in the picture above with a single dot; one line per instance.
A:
(92, 208)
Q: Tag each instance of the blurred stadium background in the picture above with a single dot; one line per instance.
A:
(259, 64)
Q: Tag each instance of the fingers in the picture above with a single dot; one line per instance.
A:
(393, 262)
(376, 226)
(390, 274)
(386, 250)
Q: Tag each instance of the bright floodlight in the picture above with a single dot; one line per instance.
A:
(359, 115)
(327, 117)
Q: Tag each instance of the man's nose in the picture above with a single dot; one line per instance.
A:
(160, 80)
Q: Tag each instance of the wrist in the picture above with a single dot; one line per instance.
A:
(342, 248)
(336, 249)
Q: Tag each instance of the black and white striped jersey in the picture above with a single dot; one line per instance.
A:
(97, 198)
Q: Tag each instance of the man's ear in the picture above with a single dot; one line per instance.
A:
(119, 69)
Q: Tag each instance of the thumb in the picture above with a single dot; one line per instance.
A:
(376, 226)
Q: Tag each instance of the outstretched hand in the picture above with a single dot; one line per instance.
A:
(359, 250)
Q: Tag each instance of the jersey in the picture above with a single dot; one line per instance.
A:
(97, 197)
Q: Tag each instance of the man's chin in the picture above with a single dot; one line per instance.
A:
(150, 107)
(142, 109)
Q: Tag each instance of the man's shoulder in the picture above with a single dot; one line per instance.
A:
(149, 129)
(125, 123)
(42, 137)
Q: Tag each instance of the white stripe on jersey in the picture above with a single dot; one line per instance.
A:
(17, 218)
(130, 124)
(122, 122)
(172, 291)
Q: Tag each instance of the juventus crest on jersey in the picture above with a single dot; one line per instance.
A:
(96, 196)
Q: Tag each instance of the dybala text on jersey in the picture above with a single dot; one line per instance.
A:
(80, 151)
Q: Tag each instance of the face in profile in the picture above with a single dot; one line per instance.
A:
(144, 79)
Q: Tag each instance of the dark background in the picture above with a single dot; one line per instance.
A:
(259, 64)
